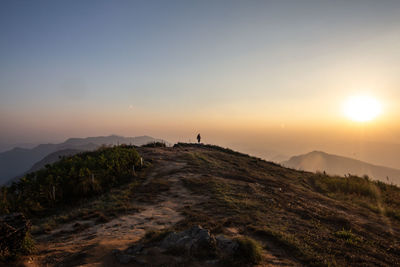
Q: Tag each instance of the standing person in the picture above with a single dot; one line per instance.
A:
(198, 138)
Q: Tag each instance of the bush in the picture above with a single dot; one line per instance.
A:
(155, 144)
(15, 238)
(70, 180)
(28, 244)
(249, 252)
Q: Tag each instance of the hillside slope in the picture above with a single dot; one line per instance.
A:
(16, 162)
(298, 218)
(53, 157)
(338, 165)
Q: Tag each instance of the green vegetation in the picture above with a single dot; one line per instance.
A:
(348, 236)
(155, 144)
(376, 196)
(11, 252)
(28, 244)
(70, 180)
(248, 252)
(349, 185)
(289, 242)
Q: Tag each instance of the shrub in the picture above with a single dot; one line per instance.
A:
(15, 238)
(28, 244)
(155, 144)
(249, 252)
(70, 180)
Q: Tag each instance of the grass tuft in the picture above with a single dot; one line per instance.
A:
(348, 236)
(249, 250)
(248, 253)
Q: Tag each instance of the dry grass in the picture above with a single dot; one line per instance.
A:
(300, 212)
(378, 197)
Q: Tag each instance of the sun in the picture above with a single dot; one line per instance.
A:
(362, 108)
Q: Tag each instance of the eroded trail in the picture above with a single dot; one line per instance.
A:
(91, 243)
(92, 246)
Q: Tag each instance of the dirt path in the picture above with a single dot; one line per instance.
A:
(93, 245)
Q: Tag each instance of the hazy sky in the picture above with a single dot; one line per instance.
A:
(240, 72)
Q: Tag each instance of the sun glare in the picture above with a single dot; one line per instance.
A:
(362, 108)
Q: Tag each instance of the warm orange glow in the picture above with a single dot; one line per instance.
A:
(362, 108)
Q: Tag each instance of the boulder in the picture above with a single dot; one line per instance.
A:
(126, 256)
(195, 241)
(135, 249)
(226, 246)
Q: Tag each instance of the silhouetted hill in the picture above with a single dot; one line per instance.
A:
(5, 147)
(18, 161)
(338, 165)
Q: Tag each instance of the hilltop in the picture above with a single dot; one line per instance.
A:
(287, 217)
(339, 165)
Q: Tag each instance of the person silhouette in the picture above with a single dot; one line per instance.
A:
(198, 138)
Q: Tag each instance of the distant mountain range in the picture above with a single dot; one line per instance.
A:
(53, 157)
(5, 147)
(18, 161)
(339, 165)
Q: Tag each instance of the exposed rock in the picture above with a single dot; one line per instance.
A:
(135, 249)
(226, 245)
(195, 241)
(126, 257)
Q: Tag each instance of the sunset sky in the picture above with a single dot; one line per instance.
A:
(253, 75)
